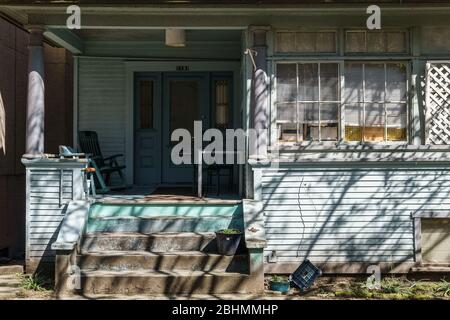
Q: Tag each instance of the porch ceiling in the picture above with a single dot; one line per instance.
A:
(155, 35)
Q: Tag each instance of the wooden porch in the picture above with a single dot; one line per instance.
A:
(166, 195)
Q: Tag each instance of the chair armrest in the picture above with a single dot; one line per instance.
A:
(113, 157)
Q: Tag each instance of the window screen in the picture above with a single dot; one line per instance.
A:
(363, 41)
(375, 101)
(306, 42)
(308, 100)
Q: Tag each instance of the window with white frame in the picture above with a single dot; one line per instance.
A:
(374, 101)
(323, 41)
(376, 41)
(375, 98)
(307, 102)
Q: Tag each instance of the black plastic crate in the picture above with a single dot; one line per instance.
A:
(305, 275)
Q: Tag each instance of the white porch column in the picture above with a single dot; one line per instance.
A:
(259, 113)
(35, 103)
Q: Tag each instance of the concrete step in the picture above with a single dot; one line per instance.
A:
(154, 224)
(11, 269)
(155, 282)
(161, 261)
(156, 242)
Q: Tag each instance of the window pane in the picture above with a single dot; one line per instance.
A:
(329, 132)
(286, 112)
(329, 82)
(353, 122)
(374, 122)
(308, 82)
(286, 41)
(396, 42)
(355, 41)
(309, 119)
(326, 42)
(353, 83)
(329, 112)
(287, 132)
(329, 118)
(376, 42)
(396, 82)
(146, 104)
(374, 80)
(396, 122)
(222, 104)
(286, 82)
(305, 41)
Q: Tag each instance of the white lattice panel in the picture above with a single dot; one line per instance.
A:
(438, 102)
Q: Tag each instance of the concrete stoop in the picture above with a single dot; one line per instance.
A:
(156, 263)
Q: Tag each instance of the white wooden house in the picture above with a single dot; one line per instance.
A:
(354, 171)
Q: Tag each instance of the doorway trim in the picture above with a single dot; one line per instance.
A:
(132, 67)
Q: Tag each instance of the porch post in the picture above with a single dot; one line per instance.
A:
(35, 103)
(259, 113)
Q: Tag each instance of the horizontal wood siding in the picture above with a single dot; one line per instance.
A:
(102, 102)
(46, 211)
(348, 215)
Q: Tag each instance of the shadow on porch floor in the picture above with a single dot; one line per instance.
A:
(138, 194)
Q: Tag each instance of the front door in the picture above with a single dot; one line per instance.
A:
(185, 100)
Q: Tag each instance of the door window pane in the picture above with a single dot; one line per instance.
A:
(145, 104)
(184, 104)
(222, 104)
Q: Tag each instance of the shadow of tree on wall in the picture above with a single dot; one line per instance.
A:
(335, 212)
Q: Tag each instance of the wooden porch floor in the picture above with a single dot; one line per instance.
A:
(170, 195)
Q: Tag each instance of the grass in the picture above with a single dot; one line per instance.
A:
(397, 288)
(229, 231)
(392, 288)
(35, 282)
(277, 278)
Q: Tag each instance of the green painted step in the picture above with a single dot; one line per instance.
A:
(147, 225)
(102, 210)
